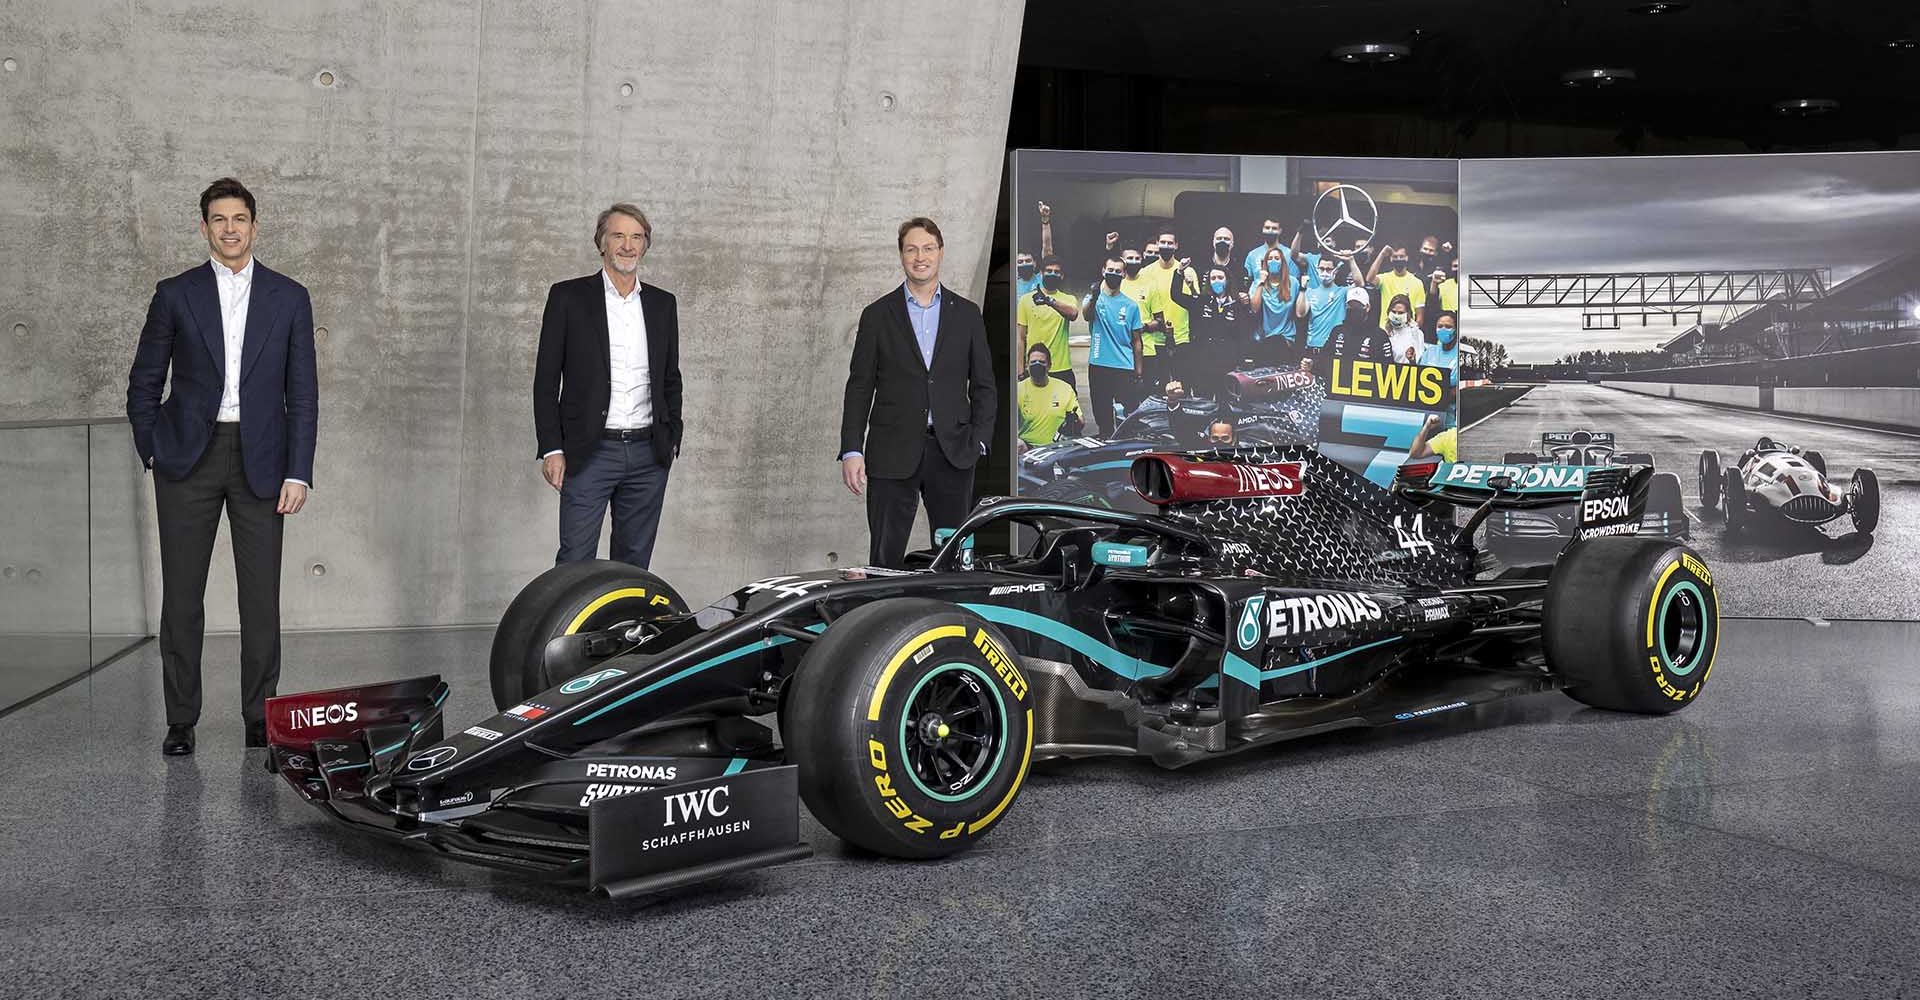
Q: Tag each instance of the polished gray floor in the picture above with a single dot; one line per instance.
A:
(1760, 844)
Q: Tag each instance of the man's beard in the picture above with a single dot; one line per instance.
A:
(624, 267)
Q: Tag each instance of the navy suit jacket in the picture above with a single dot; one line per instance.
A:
(279, 391)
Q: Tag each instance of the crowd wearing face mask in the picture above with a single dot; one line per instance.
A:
(1154, 314)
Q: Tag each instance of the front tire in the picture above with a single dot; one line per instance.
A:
(911, 723)
(568, 599)
(1865, 494)
(1648, 645)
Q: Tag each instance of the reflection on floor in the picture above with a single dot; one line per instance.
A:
(1759, 844)
(31, 664)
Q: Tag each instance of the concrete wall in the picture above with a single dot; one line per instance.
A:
(1893, 407)
(1725, 395)
(451, 172)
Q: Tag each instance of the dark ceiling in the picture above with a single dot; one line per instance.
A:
(1483, 77)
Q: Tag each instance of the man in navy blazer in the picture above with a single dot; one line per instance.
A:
(237, 432)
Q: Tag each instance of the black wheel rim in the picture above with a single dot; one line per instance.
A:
(952, 731)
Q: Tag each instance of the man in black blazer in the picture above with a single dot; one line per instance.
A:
(606, 395)
(237, 431)
(919, 403)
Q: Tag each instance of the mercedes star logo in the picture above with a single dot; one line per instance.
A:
(1345, 211)
(427, 760)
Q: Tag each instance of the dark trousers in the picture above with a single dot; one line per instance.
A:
(1107, 386)
(189, 514)
(1065, 376)
(626, 475)
(891, 503)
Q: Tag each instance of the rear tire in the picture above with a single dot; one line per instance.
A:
(567, 599)
(912, 728)
(1734, 496)
(1709, 479)
(1632, 623)
(1865, 497)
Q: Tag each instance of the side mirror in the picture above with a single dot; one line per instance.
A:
(940, 537)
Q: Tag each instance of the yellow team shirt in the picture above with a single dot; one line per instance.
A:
(1161, 301)
(1044, 408)
(1449, 296)
(1046, 326)
(1139, 288)
(1446, 444)
(1392, 284)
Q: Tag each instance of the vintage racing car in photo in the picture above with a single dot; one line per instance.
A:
(1522, 536)
(1273, 594)
(1776, 482)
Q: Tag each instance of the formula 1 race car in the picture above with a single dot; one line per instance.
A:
(1522, 536)
(1775, 481)
(1273, 594)
(1267, 406)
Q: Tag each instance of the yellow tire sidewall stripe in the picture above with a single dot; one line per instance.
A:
(893, 666)
(602, 601)
(1026, 758)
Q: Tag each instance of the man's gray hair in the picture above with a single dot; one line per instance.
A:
(627, 209)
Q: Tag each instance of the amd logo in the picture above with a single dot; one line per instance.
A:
(323, 715)
(697, 804)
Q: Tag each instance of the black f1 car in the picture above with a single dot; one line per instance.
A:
(1786, 483)
(1266, 406)
(1273, 594)
(1529, 535)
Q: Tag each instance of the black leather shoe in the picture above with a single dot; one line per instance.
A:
(179, 741)
(256, 735)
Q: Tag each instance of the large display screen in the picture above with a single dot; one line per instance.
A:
(1750, 325)
(1186, 302)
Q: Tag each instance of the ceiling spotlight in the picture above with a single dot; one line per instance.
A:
(1652, 9)
(1371, 52)
(1806, 107)
(1597, 76)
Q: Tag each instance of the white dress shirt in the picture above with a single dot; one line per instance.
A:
(235, 287)
(631, 405)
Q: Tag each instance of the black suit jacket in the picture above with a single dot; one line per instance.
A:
(890, 388)
(279, 389)
(573, 381)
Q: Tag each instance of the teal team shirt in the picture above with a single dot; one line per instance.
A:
(1115, 317)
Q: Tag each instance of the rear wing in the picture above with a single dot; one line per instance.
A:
(1603, 439)
(1610, 498)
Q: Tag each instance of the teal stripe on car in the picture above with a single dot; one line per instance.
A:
(1131, 667)
(757, 646)
(737, 765)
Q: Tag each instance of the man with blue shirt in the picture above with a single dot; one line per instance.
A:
(920, 401)
(1320, 307)
(1256, 262)
(1114, 353)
